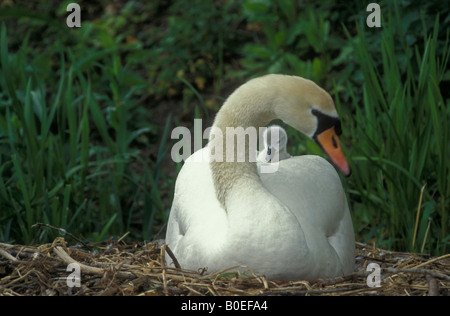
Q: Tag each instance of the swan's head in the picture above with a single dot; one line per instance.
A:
(310, 109)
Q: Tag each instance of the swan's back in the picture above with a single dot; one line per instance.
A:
(310, 187)
(307, 185)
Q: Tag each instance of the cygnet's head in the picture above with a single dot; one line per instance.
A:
(275, 142)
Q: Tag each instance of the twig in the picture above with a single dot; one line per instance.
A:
(22, 248)
(418, 271)
(59, 251)
(433, 286)
(64, 232)
(175, 261)
(313, 292)
(340, 279)
(417, 216)
(121, 238)
(426, 234)
(23, 277)
(432, 260)
(163, 265)
(7, 255)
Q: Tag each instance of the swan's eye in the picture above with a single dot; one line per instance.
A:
(325, 122)
(269, 151)
(338, 129)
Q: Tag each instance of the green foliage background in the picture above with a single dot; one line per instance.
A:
(86, 113)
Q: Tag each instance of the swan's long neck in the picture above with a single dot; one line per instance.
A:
(254, 105)
(245, 111)
(253, 212)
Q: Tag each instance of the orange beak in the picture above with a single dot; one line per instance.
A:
(329, 141)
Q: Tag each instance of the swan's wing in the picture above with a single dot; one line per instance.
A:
(196, 216)
(310, 187)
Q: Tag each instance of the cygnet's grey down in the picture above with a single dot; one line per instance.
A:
(275, 142)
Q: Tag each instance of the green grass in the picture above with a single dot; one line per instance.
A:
(62, 161)
(77, 151)
(399, 142)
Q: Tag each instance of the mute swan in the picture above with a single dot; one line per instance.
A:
(291, 224)
(275, 142)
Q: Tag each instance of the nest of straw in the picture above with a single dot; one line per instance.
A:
(119, 268)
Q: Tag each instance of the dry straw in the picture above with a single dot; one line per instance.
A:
(119, 268)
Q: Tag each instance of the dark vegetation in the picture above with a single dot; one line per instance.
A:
(86, 113)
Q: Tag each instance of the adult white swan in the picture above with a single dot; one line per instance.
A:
(291, 224)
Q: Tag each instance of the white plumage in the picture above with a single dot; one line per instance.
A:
(290, 224)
